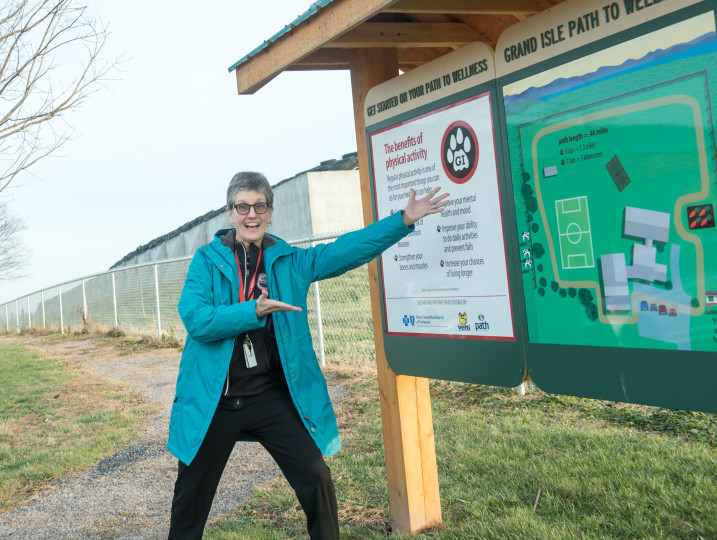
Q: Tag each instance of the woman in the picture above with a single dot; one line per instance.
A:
(248, 369)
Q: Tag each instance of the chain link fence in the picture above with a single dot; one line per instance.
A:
(142, 300)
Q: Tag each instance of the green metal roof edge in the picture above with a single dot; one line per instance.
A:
(313, 9)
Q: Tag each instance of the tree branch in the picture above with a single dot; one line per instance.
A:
(12, 254)
(37, 88)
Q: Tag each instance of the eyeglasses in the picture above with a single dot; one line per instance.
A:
(259, 208)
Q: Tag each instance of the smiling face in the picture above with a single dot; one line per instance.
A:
(252, 226)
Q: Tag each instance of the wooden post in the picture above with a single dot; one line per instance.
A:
(405, 401)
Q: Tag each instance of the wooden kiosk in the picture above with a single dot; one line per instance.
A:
(375, 39)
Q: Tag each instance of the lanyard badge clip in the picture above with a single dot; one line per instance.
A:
(249, 356)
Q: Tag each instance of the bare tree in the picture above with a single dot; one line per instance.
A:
(49, 63)
(13, 258)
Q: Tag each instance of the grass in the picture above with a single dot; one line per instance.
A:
(535, 466)
(142, 343)
(115, 335)
(55, 419)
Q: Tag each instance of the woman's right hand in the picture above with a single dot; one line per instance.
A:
(419, 208)
(265, 305)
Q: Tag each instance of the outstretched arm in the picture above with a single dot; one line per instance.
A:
(430, 204)
(358, 247)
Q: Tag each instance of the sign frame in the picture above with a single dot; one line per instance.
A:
(487, 361)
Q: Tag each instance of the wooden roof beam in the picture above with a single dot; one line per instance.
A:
(325, 59)
(401, 35)
(311, 35)
(419, 55)
(470, 7)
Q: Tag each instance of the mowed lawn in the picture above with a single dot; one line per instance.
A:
(527, 467)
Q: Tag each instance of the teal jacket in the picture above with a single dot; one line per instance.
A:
(213, 316)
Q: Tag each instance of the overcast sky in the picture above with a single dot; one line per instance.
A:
(159, 146)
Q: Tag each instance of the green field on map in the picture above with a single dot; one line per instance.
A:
(616, 192)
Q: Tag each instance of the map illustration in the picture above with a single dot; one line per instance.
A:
(615, 182)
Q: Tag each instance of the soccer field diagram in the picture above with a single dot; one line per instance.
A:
(574, 236)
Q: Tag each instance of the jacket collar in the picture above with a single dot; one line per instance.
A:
(228, 238)
(221, 252)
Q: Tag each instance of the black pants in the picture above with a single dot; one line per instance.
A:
(271, 419)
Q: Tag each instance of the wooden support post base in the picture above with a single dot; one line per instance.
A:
(405, 401)
(410, 450)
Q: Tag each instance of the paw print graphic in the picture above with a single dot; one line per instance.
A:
(459, 152)
(458, 147)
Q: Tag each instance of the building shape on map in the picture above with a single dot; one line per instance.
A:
(711, 301)
(647, 224)
(614, 277)
(639, 223)
(652, 226)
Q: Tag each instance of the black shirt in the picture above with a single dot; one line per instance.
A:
(242, 381)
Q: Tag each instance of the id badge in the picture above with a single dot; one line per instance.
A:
(249, 356)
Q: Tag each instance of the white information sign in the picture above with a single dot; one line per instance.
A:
(448, 278)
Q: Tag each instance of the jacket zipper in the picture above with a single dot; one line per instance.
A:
(246, 278)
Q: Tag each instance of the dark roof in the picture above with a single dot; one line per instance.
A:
(347, 162)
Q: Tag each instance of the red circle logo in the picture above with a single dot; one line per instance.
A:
(459, 152)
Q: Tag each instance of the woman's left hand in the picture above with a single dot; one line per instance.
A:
(265, 305)
(430, 204)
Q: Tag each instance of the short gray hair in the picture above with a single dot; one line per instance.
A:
(249, 181)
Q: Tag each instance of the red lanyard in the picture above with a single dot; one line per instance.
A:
(250, 295)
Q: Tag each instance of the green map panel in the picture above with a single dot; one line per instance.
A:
(614, 174)
(617, 260)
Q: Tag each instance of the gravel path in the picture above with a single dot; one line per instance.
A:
(128, 495)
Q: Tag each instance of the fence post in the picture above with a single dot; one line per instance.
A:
(7, 319)
(29, 318)
(42, 300)
(17, 318)
(85, 318)
(62, 320)
(141, 299)
(319, 326)
(156, 297)
(114, 299)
